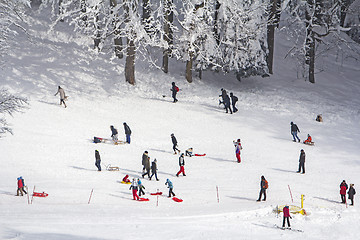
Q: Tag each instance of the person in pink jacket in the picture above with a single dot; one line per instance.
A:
(286, 212)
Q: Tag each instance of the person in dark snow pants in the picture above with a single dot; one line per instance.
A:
(154, 169)
(174, 90)
(343, 188)
(222, 95)
(141, 187)
(351, 194)
(170, 186)
(286, 217)
(234, 99)
(146, 163)
(134, 187)
(262, 189)
(114, 133)
(62, 95)
(182, 165)
(302, 161)
(227, 103)
(174, 142)
(294, 130)
(189, 152)
(127, 132)
(20, 187)
(97, 160)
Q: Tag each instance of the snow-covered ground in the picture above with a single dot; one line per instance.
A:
(52, 148)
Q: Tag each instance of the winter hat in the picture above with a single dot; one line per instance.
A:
(291, 123)
(173, 83)
(238, 140)
(146, 151)
(124, 123)
(172, 135)
(155, 160)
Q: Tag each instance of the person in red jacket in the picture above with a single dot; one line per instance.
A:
(20, 187)
(308, 140)
(286, 212)
(126, 179)
(343, 188)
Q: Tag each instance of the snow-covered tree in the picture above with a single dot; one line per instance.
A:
(9, 104)
(352, 20)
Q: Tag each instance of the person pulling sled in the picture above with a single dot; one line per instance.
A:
(170, 186)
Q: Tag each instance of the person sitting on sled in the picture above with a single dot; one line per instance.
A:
(308, 140)
(125, 179)
(189, 152)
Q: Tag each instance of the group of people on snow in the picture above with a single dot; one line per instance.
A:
(226, 101)
(351, 192)
(114, 133)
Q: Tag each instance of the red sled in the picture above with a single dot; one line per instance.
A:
(143, 199)
(43, 194)
(177, 199)
(157, 193)
(200, 155)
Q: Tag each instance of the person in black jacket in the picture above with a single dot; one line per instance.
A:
(174, 89)
(114, 134)
(97, 160)
(263, 186)
(182, 165)
(154, 169)
(351, 194)
(222, 95)
(174, 141)
(127, 132)
(146, 164)
(294, 131)
(234, 99)
(227, 103)
(302, 161)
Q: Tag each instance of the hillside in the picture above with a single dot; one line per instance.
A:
(52, 148)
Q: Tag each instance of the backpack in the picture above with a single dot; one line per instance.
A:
(266, 184)
(235, 99)
(177, 89)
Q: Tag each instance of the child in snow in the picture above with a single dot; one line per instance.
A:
(343, 188)
(127, 132)
(302, 161)
(174, 90)
(174, 141)
(141, 187)
(238, 147)
(114, 133)
(125, 179)
(308, 140)
(97, 160)
(351, 194)
(286, 212)
(294, 131)
(319, 118)
(62, 95)
(181, 164)
(134, 187)
(189, 152)
(263, 186)
(154, 169)
(20, 188)
(170, 186)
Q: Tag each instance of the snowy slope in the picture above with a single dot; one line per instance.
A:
(52, 148)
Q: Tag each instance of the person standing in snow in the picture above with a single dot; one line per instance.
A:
(227, 103)
(114, 134)
(146, 164)
(141, 187)
(154, 169)
(302, 161)
(343, 188)
(286, 217)
(62, 95)
(23, 183)
(234, 99)
(174, 90)
(97, 160)
(238, 147)
(174, 142)
(134, 187)
(170, 186)
(20, 187)
(127, 132)
(294, 131)
(263, 186)
(182, 165)
(351, 194)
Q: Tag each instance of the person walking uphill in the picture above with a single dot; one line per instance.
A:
(263, 186)
(294, 131)
(302, 161)
(343, 188)
(127, 132)
(174, 142)
(351, 194)
(174, 90)
(234, 99)
(114, 134)
(170, 186)
(154, 170)
(227, 103)
(62, 95)
(181, 164)
(97, 160)
(286, 217)
(146, 164)
(134, 187)
(20, 187)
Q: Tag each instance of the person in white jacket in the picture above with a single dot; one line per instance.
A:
(62, 95)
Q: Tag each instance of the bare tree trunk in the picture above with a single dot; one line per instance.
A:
(168, 36)
(216, 20)
(117, 39)
(189, 64)
(273, 20)
(130, 62)
(146, 15)
(312, 60)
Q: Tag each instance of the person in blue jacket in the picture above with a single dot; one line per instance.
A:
(170, 186)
